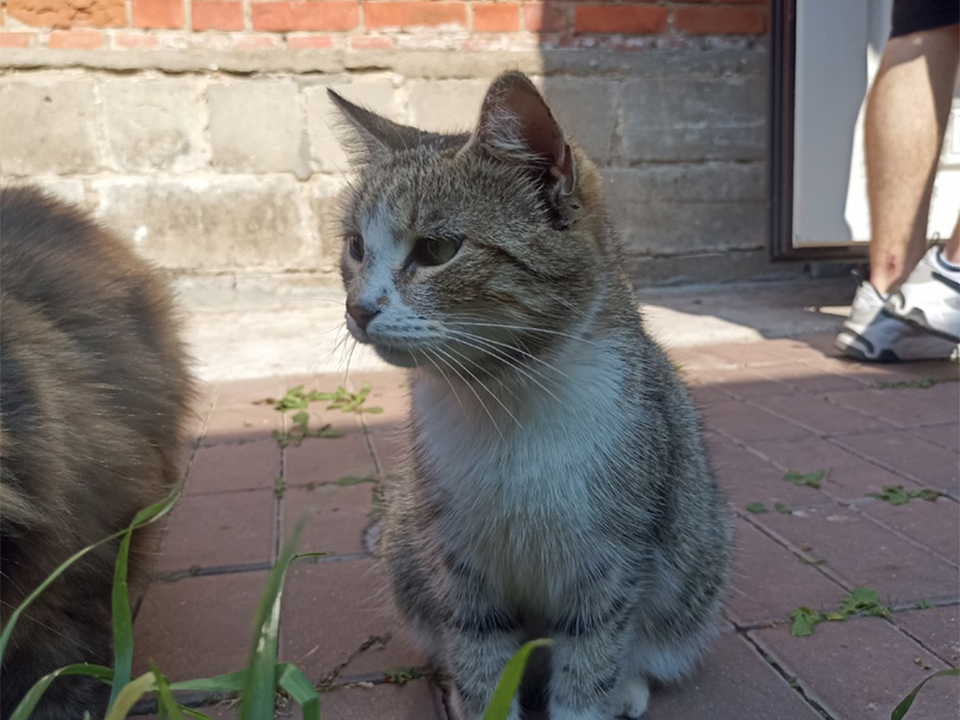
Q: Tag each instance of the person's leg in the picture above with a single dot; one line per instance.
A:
(951, 251)
(907, 111)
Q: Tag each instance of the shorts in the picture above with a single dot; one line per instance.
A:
(910, 16)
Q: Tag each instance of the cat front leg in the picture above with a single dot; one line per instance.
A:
(480, 642)
(590, 679)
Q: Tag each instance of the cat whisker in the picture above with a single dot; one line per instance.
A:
(526, 328)
(509, 362)
(487, 341)
(480, 367)
(444, 376)
(473, 390)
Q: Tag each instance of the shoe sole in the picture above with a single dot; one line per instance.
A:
(884, 357)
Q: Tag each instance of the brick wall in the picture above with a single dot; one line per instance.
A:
(201, 130)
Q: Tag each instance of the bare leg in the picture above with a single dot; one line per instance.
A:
(907, 112)
(951, 251)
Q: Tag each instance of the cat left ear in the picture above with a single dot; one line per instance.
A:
(369, 135)
(517, 126)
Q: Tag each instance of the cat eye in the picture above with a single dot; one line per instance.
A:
(436, 250)
(355, 243)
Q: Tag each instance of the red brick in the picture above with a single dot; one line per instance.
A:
(908, 455)
(336, 517)
(158, 13)
(769, 581)
(862, 553)
(219, 529)
(217, 15)
(748, 423)
(860, 668)
(199, 626)
(627, 20)
(135, 40)
(75, 39)
(16, 39)
(733, 683)
(366, 42)
(243, 466)
(414, 14)
(720, 20)
(937, 628)
(503, 17)
(256, 42)
(286, 16)
(311, 41)
(331, 608)
(412, 701)
(67, 13)
(319, 460)
(544, 17)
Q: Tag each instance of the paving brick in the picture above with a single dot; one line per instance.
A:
(864, 554)
(249, 393)
(928, 464)
(735, 382)
(198, 626)
(808, 379)
(320, 460)
(848, 476)
(936, 629)
(413, 701)
(330, 609)
(242, 422)
(749, 424)
(336, 517)
(389, 443)
(908, 407)
(734, 683)
(769, 581)
(153, 125)
(49, 128)
(745, 478)
(219, 529)
(861, 668)
(946, 436)
(219, 468)
(819, 415)
(934, 524)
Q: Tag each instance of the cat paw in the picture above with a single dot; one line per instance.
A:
(633, 698)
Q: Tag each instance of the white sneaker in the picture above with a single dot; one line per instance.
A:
(930, 298)
(871, 334)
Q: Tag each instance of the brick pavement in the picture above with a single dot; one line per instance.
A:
(768, 407)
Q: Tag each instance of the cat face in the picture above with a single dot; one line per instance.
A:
(462, 253)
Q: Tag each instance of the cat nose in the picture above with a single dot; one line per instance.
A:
(362, 315)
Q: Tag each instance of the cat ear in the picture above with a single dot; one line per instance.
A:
(368, 136)
(517, 126)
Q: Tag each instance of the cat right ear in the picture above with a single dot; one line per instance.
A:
(517, 126)
(368, 136)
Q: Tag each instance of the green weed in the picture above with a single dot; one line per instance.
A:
(860, 601)
(920, 383)
(756, 508)
(810, 479)
(896, 495)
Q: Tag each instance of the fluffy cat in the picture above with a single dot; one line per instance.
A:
(94, 394)
(557, 484)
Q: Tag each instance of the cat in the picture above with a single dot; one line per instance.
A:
(94, 398)
(556, 483)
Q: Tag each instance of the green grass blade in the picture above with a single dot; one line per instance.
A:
(229, 683)
(167, 705)
(129, 695)
(499, 705)
(900, 710)
(259, 687)
(196, 714)
(122, 622)
(30, 700)
(144, 517)
(292, 679)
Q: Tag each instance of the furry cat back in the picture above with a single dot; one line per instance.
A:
(94, 394)
(557, 484)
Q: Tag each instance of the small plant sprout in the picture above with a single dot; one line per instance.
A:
(860, 601)
(810, 479)
(896, 495)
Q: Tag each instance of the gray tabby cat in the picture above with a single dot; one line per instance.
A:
(557, 483)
